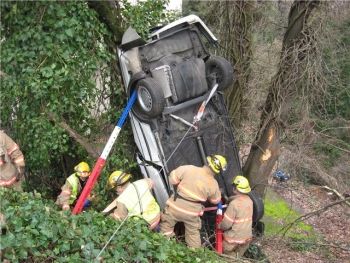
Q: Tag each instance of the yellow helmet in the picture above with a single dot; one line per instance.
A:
(242, 184)
(118, 178)
(217, 163)
(83, 169)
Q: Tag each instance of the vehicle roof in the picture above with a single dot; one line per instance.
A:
(191, 19)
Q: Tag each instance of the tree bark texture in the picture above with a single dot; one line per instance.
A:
(265, 150)
(232, 22)
(109, 13)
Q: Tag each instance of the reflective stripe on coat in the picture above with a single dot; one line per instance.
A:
(73, 180)
(237, 220)
(139, 200)
(196, 183)
(13, 158)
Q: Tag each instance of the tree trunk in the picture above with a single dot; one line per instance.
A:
(265, 150)
(262, 157)
(240, 47)
(232, 21)
(109, 13)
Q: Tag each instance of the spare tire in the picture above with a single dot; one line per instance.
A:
(258, 206)
(150, 100)
(219, 70)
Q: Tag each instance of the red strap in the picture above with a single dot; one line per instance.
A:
(8, 182)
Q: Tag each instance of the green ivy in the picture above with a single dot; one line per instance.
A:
(50, 53)
(36, 231)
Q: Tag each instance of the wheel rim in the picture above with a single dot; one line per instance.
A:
(144, 98)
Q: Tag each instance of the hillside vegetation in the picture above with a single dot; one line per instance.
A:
(61, 94)
(37, 231)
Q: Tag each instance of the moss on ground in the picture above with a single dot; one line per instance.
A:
(278, 215)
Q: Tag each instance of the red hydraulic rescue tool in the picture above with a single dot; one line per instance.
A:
(218, 231)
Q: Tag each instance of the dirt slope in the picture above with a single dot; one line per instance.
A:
(333, 226)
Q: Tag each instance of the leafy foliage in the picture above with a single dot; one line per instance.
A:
(50, 53)
(145, 15)
(57, 60)
(37, 232)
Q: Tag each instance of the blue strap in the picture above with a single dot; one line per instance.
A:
(126, 110)
(219, 205)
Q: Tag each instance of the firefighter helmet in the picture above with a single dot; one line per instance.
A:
(118, 178)
(241, 183)
(83, 169)
(217, 163)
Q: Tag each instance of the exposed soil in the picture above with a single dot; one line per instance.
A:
(333, 226)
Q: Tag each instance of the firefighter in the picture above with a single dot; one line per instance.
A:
(11, 163)
(73, 186)
(134, 199)
(237, 220)
(193, 186)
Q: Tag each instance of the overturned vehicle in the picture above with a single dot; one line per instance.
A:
(180, 116)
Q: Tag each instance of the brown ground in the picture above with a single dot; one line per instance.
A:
(333, 225)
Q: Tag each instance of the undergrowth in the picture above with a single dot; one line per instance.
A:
(278, 215)
(36, 231)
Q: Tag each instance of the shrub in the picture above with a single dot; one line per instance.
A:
(36, 231)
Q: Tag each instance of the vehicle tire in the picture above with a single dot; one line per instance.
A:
(258, 229)
(258, 206)
(219, 70)
(150, 100)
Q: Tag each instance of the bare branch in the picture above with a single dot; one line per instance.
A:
(336, 193)
(307, 215)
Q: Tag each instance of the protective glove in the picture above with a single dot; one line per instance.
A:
(219, 205)
(20, 172)
(65, 207)
(87, 203)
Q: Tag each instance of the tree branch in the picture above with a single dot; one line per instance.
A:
(336, 193)
(91, 150)
(307, 215)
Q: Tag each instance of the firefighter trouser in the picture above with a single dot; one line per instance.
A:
(192, 226)
(236, 250)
